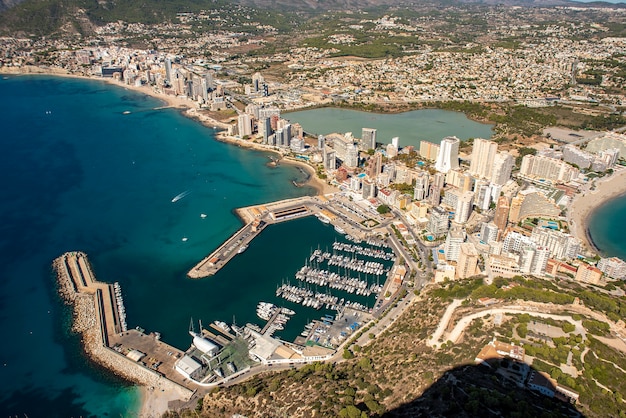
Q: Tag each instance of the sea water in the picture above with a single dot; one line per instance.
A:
(91, 167)
(78, 173)
(607, 230)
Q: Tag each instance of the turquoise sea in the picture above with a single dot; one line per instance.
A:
(607, 230)
(79, 174)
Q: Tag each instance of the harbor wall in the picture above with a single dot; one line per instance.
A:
(89, 321)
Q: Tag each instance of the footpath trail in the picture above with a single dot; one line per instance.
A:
(443, 323)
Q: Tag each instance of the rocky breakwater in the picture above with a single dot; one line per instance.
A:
(83, 296)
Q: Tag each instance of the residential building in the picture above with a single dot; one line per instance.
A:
(463, 208)
(368, 138)
(501, 216)
(504, 266)
(587, 273)
(428, 150)
(467, 262)
(448, 157)
(244, 125)
(613, 267)
(460, 179)
(456, 236)
(561, 246)
(502, 168)
(439, 221)
(483, 155)
(420, 192)
(488, 232)
(540, 167)
(574, 155)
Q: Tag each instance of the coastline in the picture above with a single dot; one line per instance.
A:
(587, 202)
(188, 108)
(313, 180)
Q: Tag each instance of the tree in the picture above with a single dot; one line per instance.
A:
(383, 209)
(347, 354)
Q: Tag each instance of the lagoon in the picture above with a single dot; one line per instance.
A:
(411, 127)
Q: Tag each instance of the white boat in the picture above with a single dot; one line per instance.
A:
(339, 229)
(264, 315)
(322, 218)
(222, 325)
(126, 112)
(203, 215)
(287, 311)
(184, 239)
(242, 249)
(180, 196)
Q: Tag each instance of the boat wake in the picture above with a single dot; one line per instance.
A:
(180, 196)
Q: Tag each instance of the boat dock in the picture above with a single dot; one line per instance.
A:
(256, 218)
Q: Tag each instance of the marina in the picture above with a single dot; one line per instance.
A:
(340, 286)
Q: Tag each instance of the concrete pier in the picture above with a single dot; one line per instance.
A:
(96, 318)
(256, 218)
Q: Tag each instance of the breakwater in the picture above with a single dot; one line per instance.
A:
(96, 318)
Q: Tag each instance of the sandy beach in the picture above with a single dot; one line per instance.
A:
(155, 400)
(584, 203)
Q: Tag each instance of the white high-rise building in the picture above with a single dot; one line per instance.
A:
(483, 155)
(537, 166)
(562, 246)
(368, 138)
(396, 142)
(488, 232)
(540, 261)
(456, 237)
(482, 195)
(448, 158)
(514, 242)
(244, 125)
(439, 221)
(420, 192)
(352, 156)
(613, 267)
(321, 142)
(502, 167)
(463, 207)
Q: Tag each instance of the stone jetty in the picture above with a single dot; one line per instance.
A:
(96, 319)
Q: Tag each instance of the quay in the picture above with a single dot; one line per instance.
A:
(98, 315)
(255, 219)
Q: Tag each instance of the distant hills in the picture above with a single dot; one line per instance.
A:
(42, 17)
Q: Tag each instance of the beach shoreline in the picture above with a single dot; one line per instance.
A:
(587, 202)
(188, 108)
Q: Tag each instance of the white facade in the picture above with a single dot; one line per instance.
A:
(448, 157)
(502, 168)
(483, 155)
(537, 166)
(464, 207)
(456, 237)
(244, 125)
